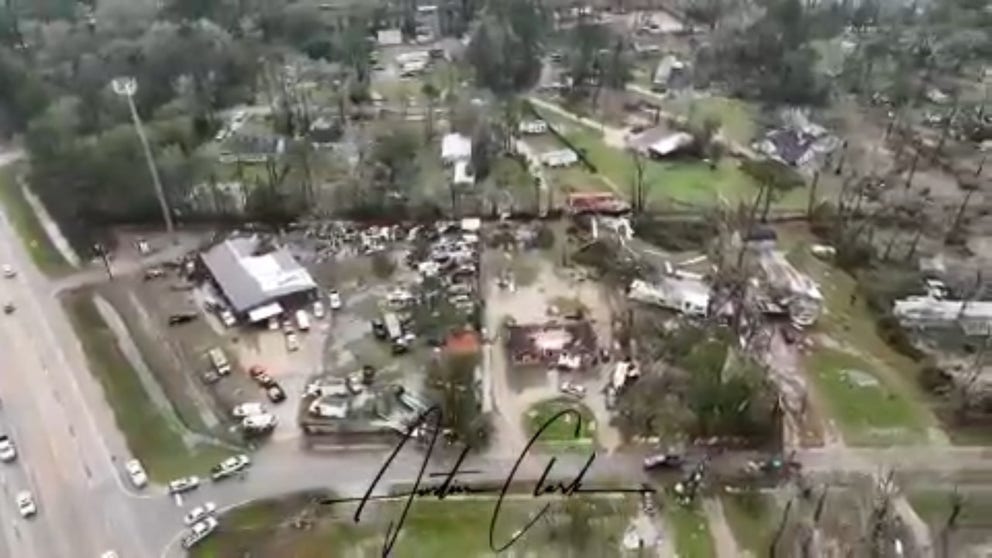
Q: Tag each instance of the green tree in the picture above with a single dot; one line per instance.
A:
(506, 46)
(452, 380)
(431, 93)
(774, 178)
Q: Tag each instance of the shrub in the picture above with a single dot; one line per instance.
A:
(545, 238)
(895, 336)
(383, 265)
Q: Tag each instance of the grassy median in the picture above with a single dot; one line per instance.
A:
(454, 527)
(691, 529)
(26, 223)
(150, 435)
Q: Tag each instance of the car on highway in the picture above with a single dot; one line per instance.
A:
(199, 531)
(198, 513)
(292, 342)
(25, 504)
(136, 472)
(183, 484)
(248, 409)
(229, 466)
(8, 452)
(334, 300)
(8, 271)
(275, 393)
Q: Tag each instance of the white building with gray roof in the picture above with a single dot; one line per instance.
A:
(258, 284)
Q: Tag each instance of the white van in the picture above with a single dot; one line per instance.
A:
(302, 320)
(219, 361)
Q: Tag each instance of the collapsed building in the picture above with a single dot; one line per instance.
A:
(786, 290)
(570, 345)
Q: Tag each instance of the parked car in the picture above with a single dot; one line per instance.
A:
(318, 310)
(25, 504)
(273, 324)
(292, 342)
(136, 472)
(334, 300)
(573, 389)
(259, 424)
(258, 373)
(199, 512)
(302, 320)
(227, 318)
(248, 409)
(663, 461)
(229, 466)
(199, 531)
(154, 273)
(210, 377)
(184, 484)
(8, 308)
(183, 318)
(109, 554)
(275, 393)
(8, 271)
(8, 452)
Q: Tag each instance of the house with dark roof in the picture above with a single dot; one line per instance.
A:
(257, 283)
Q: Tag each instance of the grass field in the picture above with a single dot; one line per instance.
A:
(458, 527)
(737, 118)
(562, 431)
(850, 324)
(934, 505)
(867, 409)
(150, 436)
(692, 531)
(690, 182)
(25, 222)
(752, 517)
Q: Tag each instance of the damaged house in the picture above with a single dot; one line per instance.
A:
(570, 345)
(799, 142)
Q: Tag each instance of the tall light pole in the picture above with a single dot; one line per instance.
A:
(126, 87)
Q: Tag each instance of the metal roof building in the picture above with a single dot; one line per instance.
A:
(254, 284)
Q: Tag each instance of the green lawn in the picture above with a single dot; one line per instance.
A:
(692, 531)
(563, 429)
(150, 436)
(737, 118)
(680, 182)
(456, 527)
(933, 505)
(852, 326)
(753, 518)
(25, 222)
(867, 409)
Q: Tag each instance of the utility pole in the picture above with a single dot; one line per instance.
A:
(126, 87)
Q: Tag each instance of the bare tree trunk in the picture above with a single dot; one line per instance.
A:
(956, 224)
(912, 170)
(916, 241)
(812, 195)
(888, 246)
